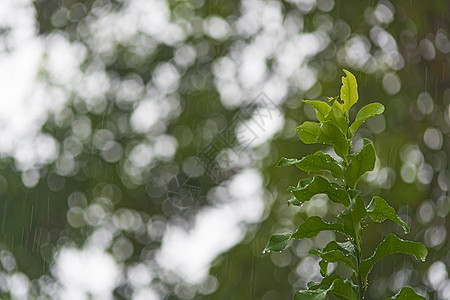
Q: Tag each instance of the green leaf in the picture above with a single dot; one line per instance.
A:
(313, 225)
(308, 132)
(349, 91)
(353, 215)
(323, 265)
(379, 210)
(336, 117)
(332, 101)
(326, 282)
(366, 112)
(310, 295)
(278, 242)
(284, 162)
(295, 202)
(407, 293)
(333, 256)
(330, 134)
(325, 133)
(343, 290)
(314, 163)
(360, 163)
(322, 108)
(309, 187)
(347, 248)
(392, 244)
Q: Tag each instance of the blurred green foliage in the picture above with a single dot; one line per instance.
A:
(398, 50)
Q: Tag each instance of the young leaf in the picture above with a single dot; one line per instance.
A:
(309, 187)
(284, 162)
(407, 293)
(332, 135)
(278, 242)
(343, 290)
(378, 210)
(313, 225)
(324, 284)
(334, 101)
(314, 163)
(347, 248)
(349, 91)
(322, 108)
(360, 163)
(333, 256)
(310, 295)
(392, 244)
(308, 132)
(353, 215)
(366, 112)
(294, 202)
(323, 265)
(336, 117)
(326, 133)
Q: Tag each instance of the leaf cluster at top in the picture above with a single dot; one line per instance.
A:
(334, 128)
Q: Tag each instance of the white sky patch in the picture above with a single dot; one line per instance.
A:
(89, 270)
(276, 50)
(217, 28)
(26, 100)
(145, 115)
(18, 70)
(260, 128)
(189, 253)
(253, 68)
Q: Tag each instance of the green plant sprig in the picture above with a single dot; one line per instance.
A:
(334, 128)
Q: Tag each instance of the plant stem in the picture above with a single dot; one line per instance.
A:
(360, 281)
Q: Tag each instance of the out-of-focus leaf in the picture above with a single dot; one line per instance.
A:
(392, 244)
(378, 210)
